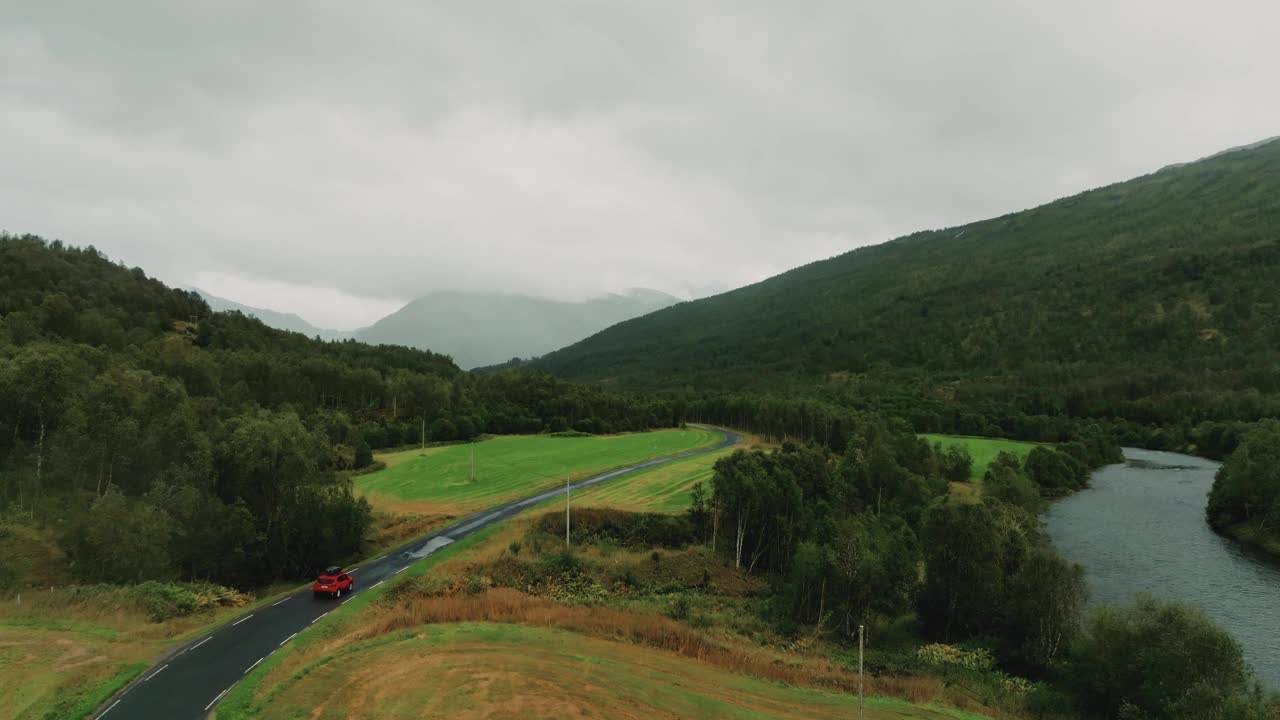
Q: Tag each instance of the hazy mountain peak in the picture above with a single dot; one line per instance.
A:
(488, 328)
(271, 318)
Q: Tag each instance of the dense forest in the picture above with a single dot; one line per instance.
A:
(160, 440)
(1147, 307)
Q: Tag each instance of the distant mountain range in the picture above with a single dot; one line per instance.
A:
(272, 318)
(478, 329)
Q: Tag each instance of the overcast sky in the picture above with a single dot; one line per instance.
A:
(335, 159)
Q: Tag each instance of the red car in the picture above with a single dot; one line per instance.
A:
(333, 582)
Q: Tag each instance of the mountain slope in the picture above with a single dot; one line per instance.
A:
(486, 329)
(270, 318)
(1151, 300)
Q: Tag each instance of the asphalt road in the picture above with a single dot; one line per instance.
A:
(189, 682)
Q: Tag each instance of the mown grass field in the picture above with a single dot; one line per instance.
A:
(983, 450)
(471, 670)
(661, 489)
(438, 480)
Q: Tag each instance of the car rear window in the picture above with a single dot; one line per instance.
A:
(325, 579)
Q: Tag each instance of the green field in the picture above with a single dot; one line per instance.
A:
(983, 450)
(438, 480)
(661, 489)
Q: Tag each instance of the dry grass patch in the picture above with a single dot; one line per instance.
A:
(392, 529)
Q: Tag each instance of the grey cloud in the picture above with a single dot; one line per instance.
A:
(572, 148)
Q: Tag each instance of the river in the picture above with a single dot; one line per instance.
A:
(1140, 527)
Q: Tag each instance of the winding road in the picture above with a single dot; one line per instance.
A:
(188, 682)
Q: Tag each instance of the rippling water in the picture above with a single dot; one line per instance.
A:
(1141, 528)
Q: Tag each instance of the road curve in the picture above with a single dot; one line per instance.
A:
(188, 682)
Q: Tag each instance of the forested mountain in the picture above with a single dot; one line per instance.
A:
(161, 440)
(1148, 305)
(271, 318)
(478, 329)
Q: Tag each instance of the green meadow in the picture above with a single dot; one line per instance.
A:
(438, 480)
(983, 450)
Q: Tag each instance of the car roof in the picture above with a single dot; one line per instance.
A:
(332, 570)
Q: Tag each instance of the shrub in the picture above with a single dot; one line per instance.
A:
(165, 601)
(561, 563)
(950, 655)
(1055, 471)
(679, 609)
(1165, 660)
(363, 454)
(955, 461)
(626, 529)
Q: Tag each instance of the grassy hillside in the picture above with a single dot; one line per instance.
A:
(438, 480)
(474, 670)
(1151, 301)
(429, 642)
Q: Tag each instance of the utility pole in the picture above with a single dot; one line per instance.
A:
(473, 462)
(860, 644)
(566, 513)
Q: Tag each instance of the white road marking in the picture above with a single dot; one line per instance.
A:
(379, 558)
(282, 601)
(352, 570)
(313, 622)
(193, 647)
(246, 617)
(255, 664)
(211, 702)
(377, 584)
(104, 712)
(282, 642)
(400, 570)
(156, 672)
(344, 602)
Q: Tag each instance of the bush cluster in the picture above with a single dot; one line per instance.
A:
(619, 527)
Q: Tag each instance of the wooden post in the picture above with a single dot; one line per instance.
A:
(860, 646)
